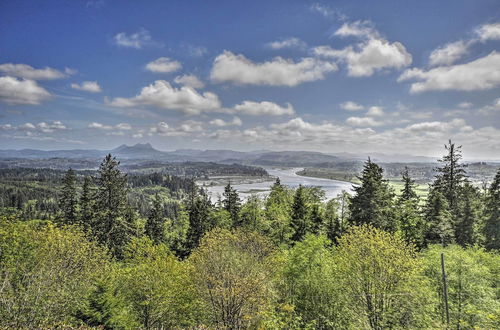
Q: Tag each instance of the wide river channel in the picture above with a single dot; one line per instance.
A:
(287, 177)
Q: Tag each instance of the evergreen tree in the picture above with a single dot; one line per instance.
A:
(317, 220)
(87, 203)
(332, 222)
(451, 176)
(408, 192)
(492, 215)
(200, 210)
(299, 220)
(113, 227)
(232, 203)
(469, 216)
(410, 222)
(372, 202)
(438, 226)
(154, 227)
(69, 200)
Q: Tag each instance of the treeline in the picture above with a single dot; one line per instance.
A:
(289, 261)
(35, 193)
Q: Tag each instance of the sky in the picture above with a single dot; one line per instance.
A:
(332, 76)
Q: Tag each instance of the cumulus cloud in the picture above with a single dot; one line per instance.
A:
(185, 128)
(363, 121)
(489, 32)
(163, 65)
(41, 127)
(22, 91)
(263, 108)
(189, 80)
(449, 53)
(287, 43)
(361, 29)
(136, 40)
(87, 86)
(491, 108)
(437, 126)
(375, 111)
(162, 95)
(28, 72)
(119, 127)
(351, 106)
(465, 105)
(326, 11)
(222, 123)
(372, 54)
(481, 74)
(229, 67)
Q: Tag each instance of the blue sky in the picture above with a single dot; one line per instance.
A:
(333, 76)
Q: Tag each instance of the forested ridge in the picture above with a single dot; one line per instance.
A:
(109, 250)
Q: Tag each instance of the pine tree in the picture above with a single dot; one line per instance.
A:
(317, 220)
(232, 203)
(451, 176)
(408, 192)
(469, 215)
(69, 200)
(492, 214)
(410, 222)
(200, 210)
(299, 220)
(438, 226)
(372, 202)
(87, 204)
(154, 227)
(113, 227)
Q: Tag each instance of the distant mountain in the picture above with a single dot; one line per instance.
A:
(138, 151)
(146, 151)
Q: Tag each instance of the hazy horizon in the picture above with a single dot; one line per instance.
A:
(348, 76)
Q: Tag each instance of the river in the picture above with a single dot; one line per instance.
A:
(287, 177)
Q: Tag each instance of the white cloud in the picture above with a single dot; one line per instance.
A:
(162, 95)
(185, 128)
(287, 43)
(87, 86)
(28, 72)
(481, 74)
(465, 105)
(124, 126)
(100, 126)
(222, 123)
(20, 91)
(189, 80)
(41, 127)
(492, 108)
(229, 67)
(118, 127)
(363, 121)
(351, 106)
(51, 127)
(489, 32)
(361, 29)
(449, 53)
(163, 65)
(136, 40)
(374, 53)
(375, 111)
(436, 126)
(327, 11)
(263, 108)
